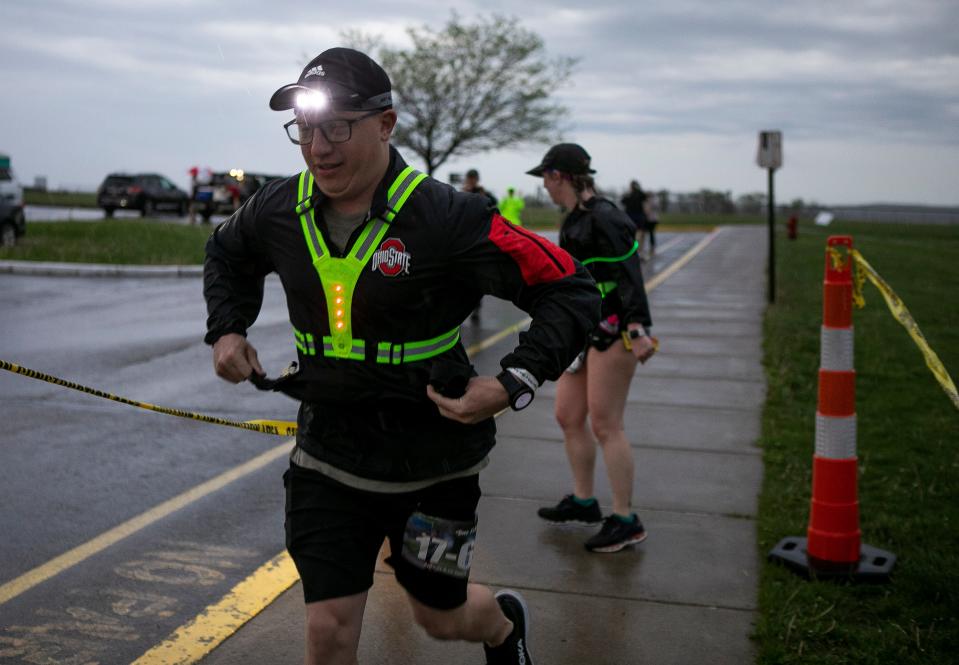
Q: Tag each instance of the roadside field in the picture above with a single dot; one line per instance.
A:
(153, 242)
(126, 241)
(550, 218)
(908, 450)
(57, 198)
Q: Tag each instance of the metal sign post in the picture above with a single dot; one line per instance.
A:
(770, 156)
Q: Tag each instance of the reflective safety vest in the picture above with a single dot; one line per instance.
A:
(339, 275)
(606, 287)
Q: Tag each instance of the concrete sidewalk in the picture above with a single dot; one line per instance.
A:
(688, 594)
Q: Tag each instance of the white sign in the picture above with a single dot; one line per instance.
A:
(824, 218)
(770, 154)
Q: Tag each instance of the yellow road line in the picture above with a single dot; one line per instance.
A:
(493, 339)
(31, 578)
(668, 245)
(192, 641)
(676, 265)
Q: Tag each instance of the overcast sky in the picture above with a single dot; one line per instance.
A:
(673, 94)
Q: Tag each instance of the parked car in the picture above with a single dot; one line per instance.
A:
(147, 192)
(13, 224)
(225, 192)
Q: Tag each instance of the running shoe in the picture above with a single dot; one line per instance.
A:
(515, 649)
(616, 534)
(569, 511)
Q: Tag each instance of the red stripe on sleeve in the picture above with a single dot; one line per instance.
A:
(538, 259)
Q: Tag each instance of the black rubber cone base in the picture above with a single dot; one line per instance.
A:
(874, 565)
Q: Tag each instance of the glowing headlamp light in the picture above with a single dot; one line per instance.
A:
(311, 101)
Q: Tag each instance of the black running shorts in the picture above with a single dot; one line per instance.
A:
(334, 533)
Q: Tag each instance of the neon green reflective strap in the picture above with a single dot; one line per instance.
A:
(357, 349)
(314, 241)
(304, 342)
(406, 352)
(401, 189)
(605, 288)
(613, 259)
(339, 275)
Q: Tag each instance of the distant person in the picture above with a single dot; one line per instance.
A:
(380, 264)
(194, 173)
(598, 234)
(652, 219)
(511, 207)
(635, 204)
(472, 184)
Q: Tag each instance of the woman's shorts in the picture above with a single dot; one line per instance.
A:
(334, 534)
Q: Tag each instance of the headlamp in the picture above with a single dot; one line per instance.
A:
(311, 101)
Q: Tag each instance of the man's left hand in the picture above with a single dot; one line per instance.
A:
(484, 397)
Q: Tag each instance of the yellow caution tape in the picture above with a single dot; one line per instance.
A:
(628, 343)
(900, 313)
(277, 427)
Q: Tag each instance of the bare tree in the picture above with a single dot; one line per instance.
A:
(470, 88)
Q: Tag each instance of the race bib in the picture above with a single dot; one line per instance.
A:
(439, 545)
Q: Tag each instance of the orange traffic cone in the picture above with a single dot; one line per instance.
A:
(832, 547)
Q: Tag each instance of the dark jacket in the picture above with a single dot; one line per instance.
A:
(602, 230)
(375, 420)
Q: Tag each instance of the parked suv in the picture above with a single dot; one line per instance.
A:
(147, 192)
(12, 222)
(225, 192)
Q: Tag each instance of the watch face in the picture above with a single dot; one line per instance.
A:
(523, 400)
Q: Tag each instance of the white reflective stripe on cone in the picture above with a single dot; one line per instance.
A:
(836, 349)
(835, 437)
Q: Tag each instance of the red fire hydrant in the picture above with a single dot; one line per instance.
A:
(792, 227)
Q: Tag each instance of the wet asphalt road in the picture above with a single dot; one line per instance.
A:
(73, 466)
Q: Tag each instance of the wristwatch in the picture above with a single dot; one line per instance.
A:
(520, 394)
(636, 333)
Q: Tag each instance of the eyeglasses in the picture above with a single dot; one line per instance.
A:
(338, 130)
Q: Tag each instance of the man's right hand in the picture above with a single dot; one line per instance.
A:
(234, 358)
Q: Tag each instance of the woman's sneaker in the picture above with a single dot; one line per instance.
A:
(617, 534)
(515, 649)
(570, 511)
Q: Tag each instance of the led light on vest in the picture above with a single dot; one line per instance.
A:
(339, 313)
(338, 300)
(339, 325)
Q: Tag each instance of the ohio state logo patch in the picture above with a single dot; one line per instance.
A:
(391, 258)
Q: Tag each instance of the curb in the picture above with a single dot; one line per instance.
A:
(53, 269)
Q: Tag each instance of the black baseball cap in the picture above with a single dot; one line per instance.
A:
(565, 157)
(352, 81)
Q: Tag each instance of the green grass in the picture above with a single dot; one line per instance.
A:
(58, 198)
(120, 241)
(550, 218)
(908, 450)
(542, 218)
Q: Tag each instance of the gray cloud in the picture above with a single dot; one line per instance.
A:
(168, 84)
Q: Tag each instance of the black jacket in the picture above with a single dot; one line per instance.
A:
(375, 420)
(602, 230)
